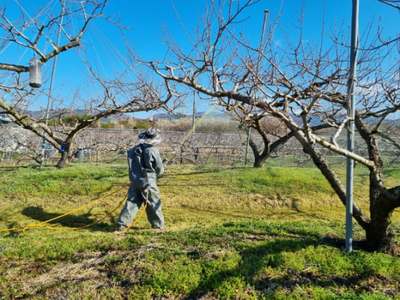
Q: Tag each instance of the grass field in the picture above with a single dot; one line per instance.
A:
(232, 233)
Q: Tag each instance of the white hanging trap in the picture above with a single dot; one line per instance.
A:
(35, 72)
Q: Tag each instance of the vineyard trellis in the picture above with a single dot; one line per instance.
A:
(98, 145)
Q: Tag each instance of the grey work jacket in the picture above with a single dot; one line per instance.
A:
(145, 164)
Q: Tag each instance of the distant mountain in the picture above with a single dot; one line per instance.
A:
(208, 114)
(165, 117)
(40, 113)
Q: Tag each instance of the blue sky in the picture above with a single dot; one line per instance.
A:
(146, 17)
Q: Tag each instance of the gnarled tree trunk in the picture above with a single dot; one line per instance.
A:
(380, 234)
(260, 157)
(65, 155)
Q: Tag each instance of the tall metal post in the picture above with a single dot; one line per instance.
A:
(49, 102)
(266, 11)
(194, 111)
(247, 145)
(351, 88)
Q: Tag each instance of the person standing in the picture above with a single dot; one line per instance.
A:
(145, 165)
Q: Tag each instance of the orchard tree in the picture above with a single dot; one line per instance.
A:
(304, 85)
(97, 98)
(273, 132)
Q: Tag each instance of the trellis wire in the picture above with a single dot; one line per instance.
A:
(108, 145)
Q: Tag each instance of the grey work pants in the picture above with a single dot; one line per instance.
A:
(136, 197)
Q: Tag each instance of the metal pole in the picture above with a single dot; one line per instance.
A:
(49, 102)
(266, 11)
(194, 111)
(247, 145)
(351, 88)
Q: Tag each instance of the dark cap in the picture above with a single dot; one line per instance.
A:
(150, 133)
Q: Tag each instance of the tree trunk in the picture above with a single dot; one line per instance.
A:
(380, 234)
(65, 155)
(330, 175)
(259, 161)
(63, 162)
(259, 158)
(378, 228)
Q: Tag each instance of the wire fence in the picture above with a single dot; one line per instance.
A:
(96, 145)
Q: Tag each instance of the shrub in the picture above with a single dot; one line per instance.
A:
(107, 125)
(140, 126)
(204, 125)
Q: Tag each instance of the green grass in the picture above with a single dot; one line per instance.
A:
(233, 233)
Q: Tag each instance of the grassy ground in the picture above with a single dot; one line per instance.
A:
(232, 233)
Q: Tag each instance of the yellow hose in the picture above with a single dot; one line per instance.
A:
(43, 224)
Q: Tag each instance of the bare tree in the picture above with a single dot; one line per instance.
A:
(97, 98)
(304, 85)
(273, 132)
(214, 58)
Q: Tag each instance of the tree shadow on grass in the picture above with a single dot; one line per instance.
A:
(90, 221)
(72, 221)
(261, 269)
